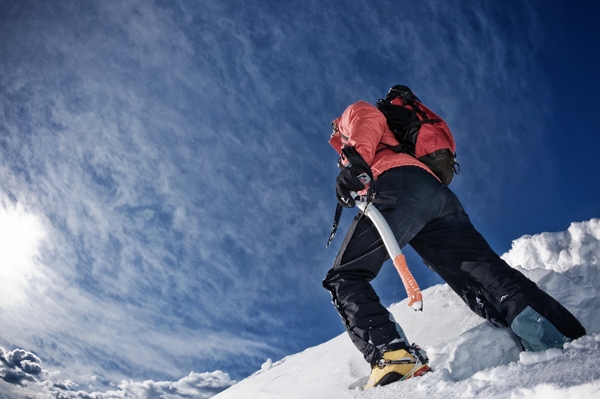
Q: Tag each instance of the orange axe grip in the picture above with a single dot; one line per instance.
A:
(412, 288)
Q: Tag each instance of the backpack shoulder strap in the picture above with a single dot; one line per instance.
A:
(395, 148)
(357, 160)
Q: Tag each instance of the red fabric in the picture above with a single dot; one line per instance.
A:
(363, 126)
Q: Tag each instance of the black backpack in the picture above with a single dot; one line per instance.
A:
(421, 133)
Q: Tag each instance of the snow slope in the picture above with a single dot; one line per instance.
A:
(471, 359)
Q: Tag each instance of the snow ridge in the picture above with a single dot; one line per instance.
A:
(470, 358)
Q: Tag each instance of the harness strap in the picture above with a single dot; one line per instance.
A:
(336, 222)
(357, 160)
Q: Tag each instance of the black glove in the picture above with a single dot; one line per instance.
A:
(345, 183)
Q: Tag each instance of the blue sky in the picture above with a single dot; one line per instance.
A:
(166, 183)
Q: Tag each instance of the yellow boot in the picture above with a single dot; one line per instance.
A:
(398, 365)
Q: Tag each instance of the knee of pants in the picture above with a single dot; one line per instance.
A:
(326, 283)
(331, 281)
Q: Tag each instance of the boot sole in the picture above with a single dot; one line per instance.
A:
(393, 377)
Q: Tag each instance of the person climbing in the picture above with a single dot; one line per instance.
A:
(409, 154)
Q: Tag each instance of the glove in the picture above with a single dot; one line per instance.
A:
(345, 183)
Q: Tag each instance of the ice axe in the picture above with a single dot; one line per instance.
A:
(415, 299)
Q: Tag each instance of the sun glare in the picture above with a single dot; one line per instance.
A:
(20, 235)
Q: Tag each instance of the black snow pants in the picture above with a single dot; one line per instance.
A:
(429, 217)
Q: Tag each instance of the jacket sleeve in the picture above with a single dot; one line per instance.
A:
(362, 126)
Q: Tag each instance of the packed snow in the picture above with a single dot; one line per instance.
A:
(470, 358)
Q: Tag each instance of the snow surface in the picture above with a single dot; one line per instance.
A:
(470, 358)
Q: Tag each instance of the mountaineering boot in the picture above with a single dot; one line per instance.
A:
(399, 365)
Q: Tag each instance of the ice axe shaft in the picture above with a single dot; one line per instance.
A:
(415, 298)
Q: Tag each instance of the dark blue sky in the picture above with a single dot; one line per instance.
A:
(569, 59)
(171, 161)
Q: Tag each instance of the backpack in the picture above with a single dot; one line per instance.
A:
(421, 133)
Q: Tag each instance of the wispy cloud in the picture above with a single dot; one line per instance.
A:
(145, 199)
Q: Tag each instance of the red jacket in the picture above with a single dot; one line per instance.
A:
(364, 127)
